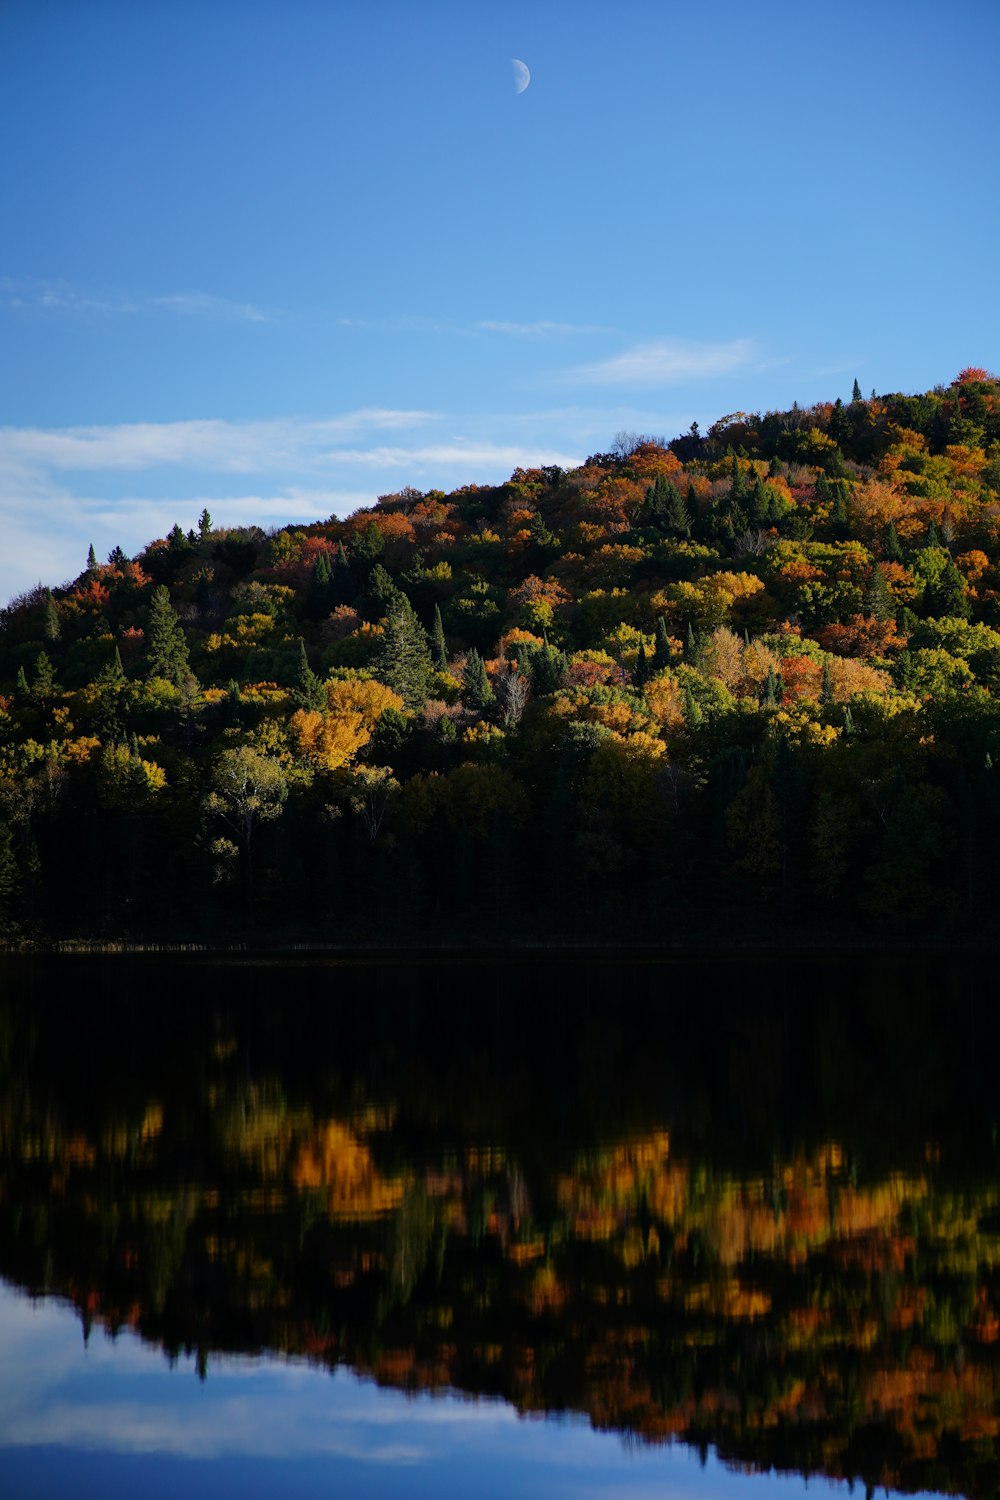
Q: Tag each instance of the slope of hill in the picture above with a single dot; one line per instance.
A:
(744, 682)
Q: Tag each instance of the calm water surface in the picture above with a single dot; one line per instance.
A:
(550, 1227)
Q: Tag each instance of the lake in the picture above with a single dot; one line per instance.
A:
(552, 1224)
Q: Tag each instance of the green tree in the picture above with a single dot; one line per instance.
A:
(439, 650)
(166, 645)
(404, 660)
(948, 594)
(247, 788)
(662, 653)
(204, 525)
(91, 559)
(308, 691)
(856, 394)
(826, 691)
(43, 682)
(893, 551)
(878, 600)
(50, 622)
(476, 688)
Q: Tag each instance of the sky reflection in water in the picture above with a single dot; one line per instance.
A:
(114, 1418)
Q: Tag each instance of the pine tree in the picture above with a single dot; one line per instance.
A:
(43, 682)
(439, 649)
(547, 668)
(678, 516)
(204, 525)
(476, 688)
(662, 654)
(856, 394)
(91, 559)
(771, 694)
(949, 594)
(933, 539)
(21, 685)
(893, 551)
(848, 720)
(309, 691)
(641, 674)
(321, 587)
(50, 624)
(692, 644)
(166, 645)
(114, 671)
(692, 709)
(404, 661)
(826, 691)
(878, 601)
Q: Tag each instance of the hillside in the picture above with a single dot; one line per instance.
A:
(742, 682)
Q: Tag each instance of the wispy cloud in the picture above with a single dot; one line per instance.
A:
(236, 447)
(663, 362)
(543, 329)
(123, 485)
(60, 296)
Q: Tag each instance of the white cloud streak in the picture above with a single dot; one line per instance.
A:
(60, 296)
(541, 329)
(62, 489)
(663, 362)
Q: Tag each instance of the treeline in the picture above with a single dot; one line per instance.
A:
(743, 682)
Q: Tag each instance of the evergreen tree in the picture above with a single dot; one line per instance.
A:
(321, 587)
(856, 394)
(384, 595)
(547, 668)
(43, 682)
(367, 547)
(839, 516)
(760, 503)
(21, 686)
(309, 691)
(878, 600)
(91, 559)
(948, 595)
(166, 645)
(933, 539)
(114, 671)
(404, 661)
(50, 624)
(662, 654)
(692, 645)
(476, 688)
(439, 650)
(692, 709)
(678, 516)
(826, 691)
(641, 674)
(893, 551)
(204, 525)
(772, 696)
(848, 720)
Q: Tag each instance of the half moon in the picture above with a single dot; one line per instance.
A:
(522, 77)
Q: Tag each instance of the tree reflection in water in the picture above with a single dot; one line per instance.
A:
(725, 1203)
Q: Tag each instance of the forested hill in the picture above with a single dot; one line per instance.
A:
(745, 682)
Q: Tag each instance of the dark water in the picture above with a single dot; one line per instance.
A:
(310, 1227)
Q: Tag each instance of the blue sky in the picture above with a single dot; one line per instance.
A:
(281, 259)
(114, 1420)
